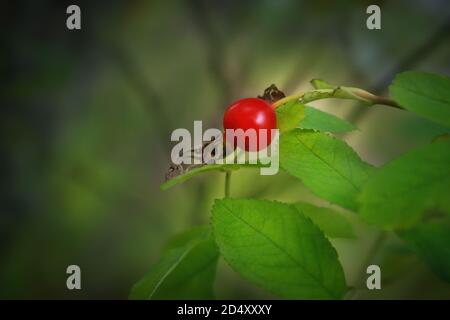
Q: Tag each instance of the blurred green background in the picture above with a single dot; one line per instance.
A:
(87, 115)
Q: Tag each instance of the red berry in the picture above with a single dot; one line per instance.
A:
(250, 113)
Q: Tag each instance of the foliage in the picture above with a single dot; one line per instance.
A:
(285, 248)
(186, 270)
(278, 248)
(423, 93)
(401, 192)
(326, 165)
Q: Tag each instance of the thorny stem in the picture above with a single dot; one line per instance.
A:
(377, 99)
(286, 99)
(227, 183)
(378, 243)
(338, 93)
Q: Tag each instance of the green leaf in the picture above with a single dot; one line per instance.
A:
(331, 222)
(327, 166)
(205, 168)
(186, 270)
(289, 115)
(431, 241)
(293, 115)
(278, 248)
(423, 93)
(318, 120)
(399, 193)
(186, 237)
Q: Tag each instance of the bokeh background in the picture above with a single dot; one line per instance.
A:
(86, 118)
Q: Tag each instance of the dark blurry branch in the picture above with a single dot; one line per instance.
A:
(419, 54)
(344, 41)
(200, 12)
(416, 56)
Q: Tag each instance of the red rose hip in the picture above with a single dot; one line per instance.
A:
(250, 113)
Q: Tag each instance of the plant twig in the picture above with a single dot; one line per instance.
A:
(377, 99)
(338, 93)
(227, 183)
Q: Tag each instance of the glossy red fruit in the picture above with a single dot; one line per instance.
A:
(250, 113)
